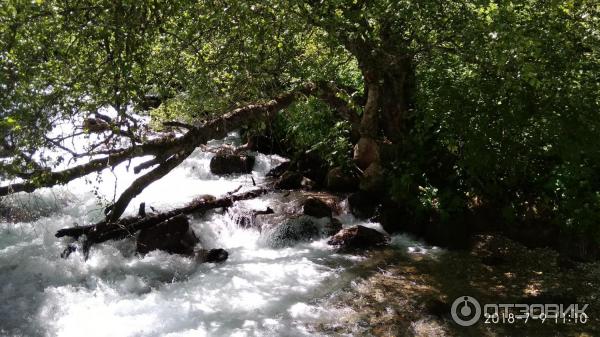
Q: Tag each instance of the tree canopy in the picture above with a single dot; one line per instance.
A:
(496, 101)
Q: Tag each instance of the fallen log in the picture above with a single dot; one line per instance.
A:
(104, 231)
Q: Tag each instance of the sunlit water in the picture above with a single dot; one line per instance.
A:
(258, 291)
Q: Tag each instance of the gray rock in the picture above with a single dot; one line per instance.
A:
(225, 162)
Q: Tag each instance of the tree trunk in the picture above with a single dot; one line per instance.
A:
(397, 100)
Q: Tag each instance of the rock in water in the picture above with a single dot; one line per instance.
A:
(300, 229)
(317, 208)
(289, 180)
(358, 237)
(278, 170)
(225, 162)
(173, 236)
(212, 256)
(332, 227)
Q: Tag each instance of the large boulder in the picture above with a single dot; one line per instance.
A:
(303, 228)
(317, 208)
(173, 236)
(226, 162)
(358, 237)
(341, 181)
(289, 180)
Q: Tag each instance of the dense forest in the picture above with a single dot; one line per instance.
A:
(443, 120)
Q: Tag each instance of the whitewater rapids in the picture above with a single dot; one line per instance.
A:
(258, 291)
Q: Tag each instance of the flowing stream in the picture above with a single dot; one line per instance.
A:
(258, 291)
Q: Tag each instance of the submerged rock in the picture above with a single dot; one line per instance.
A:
(211, 256)
(317, 208)
(172, 236)
(225, 162)
(358, 237)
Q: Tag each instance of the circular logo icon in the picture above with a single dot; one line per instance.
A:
(465, 311)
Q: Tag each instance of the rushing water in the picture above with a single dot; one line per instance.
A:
(258, 291)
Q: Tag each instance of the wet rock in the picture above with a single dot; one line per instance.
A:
(173, 236)
(332, 227)
(358, 237)
(289, 180)
(211, 256)
(278, 170)
(363, 205)
(317, 208)
(300, 229)
(225, 162)
(338, 180)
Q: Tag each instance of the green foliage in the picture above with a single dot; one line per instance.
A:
(310, 125)
(515, 101)
(506, 105)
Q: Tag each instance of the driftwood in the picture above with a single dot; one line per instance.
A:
(104, 231)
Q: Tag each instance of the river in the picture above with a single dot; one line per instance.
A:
(258, 291)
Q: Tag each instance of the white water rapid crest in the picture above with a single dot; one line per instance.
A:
(258, 291)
